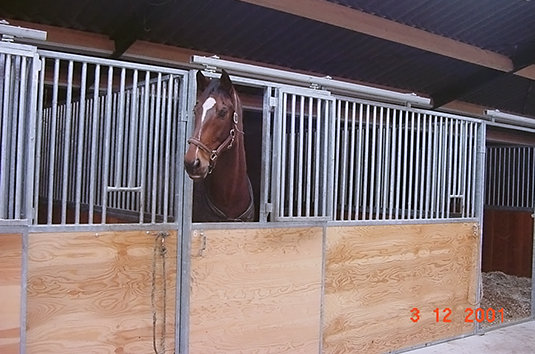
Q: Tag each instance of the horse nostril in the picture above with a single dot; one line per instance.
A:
(196, 163)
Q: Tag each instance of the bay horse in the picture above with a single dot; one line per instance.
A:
(215, 158)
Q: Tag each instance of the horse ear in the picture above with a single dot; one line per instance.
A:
(225, 82)
(202, 82)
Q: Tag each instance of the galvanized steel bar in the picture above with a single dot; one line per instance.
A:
(386, 179)
(94, 131)
(52, 154)
(338, 193)
(156, 147)
(134, 118)
(291, 166)
(373, 147)
(359, 169)
(411, 170)
(40, 132)
(105, 178)
(380, 166)
(308, 194)
(317, 192)
(300, 157)
(405, 165)
(6, 97)
(351, 186)
(145, 123)
(342, 149)
(20, 118)
(167, 151)
(393, 169)
(282, 164)
(67, 143)
(366, 159)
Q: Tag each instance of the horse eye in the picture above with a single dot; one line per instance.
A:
(223, 113)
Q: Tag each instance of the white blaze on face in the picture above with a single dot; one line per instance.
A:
(206, 106)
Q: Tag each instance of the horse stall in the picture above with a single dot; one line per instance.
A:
(90, 203)
(507, 254)
(367, 228)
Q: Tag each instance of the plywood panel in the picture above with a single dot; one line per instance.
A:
(508, 242)
(91, 292)
(375, 276)
(10, 292)
(256, 291)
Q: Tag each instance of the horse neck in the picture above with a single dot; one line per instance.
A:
(228, 185)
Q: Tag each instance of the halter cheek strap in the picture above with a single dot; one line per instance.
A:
(227, 144)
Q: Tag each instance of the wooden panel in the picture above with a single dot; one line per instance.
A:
(256, 291)
(10, 292)
(508, 242)
(91, 292)
(375, 276)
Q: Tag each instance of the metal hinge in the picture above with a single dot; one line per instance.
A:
(269, 208)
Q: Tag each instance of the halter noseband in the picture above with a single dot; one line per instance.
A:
(229, 141)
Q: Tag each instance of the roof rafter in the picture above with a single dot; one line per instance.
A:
(358, 21)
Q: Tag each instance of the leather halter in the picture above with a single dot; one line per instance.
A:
(227, 144)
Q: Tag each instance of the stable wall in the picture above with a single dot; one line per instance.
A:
(508, 242)
(91, 292)
(339, 289)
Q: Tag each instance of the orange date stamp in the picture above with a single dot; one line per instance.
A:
(479, 315)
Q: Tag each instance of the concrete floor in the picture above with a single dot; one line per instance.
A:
(515, 339)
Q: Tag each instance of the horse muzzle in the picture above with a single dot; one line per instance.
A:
(196, 166)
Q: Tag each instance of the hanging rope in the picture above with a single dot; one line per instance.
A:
(159, 253)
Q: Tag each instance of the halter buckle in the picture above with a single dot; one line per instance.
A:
(213, 155)
(232, 134)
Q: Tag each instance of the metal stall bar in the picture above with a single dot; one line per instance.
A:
(80, 140)
(5, 156)
(88, 135)
(309, 147)
(66, 148)
(290, 177)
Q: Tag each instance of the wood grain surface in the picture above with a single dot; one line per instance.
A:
(375, 276)
(91, 292)
(10, 292)
(256, 291)
(508, 242)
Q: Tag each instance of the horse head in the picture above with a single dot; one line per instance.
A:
(216, 124)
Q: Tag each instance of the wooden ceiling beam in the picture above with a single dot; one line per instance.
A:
(361, 22)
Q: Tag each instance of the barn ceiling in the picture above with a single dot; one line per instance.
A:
(480, 52)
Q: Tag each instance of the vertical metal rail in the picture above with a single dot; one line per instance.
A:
(52, 154)
(351, 185)
(317, 191)
(66, 148)
(373, 146)
(308, 194)
(265, 178)
(105, 178)
(145, 104)
(38, 183)
(4, 161)
(300, 156)
(94, 130)
(20, 149)
(167, 150)
(282, 162)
